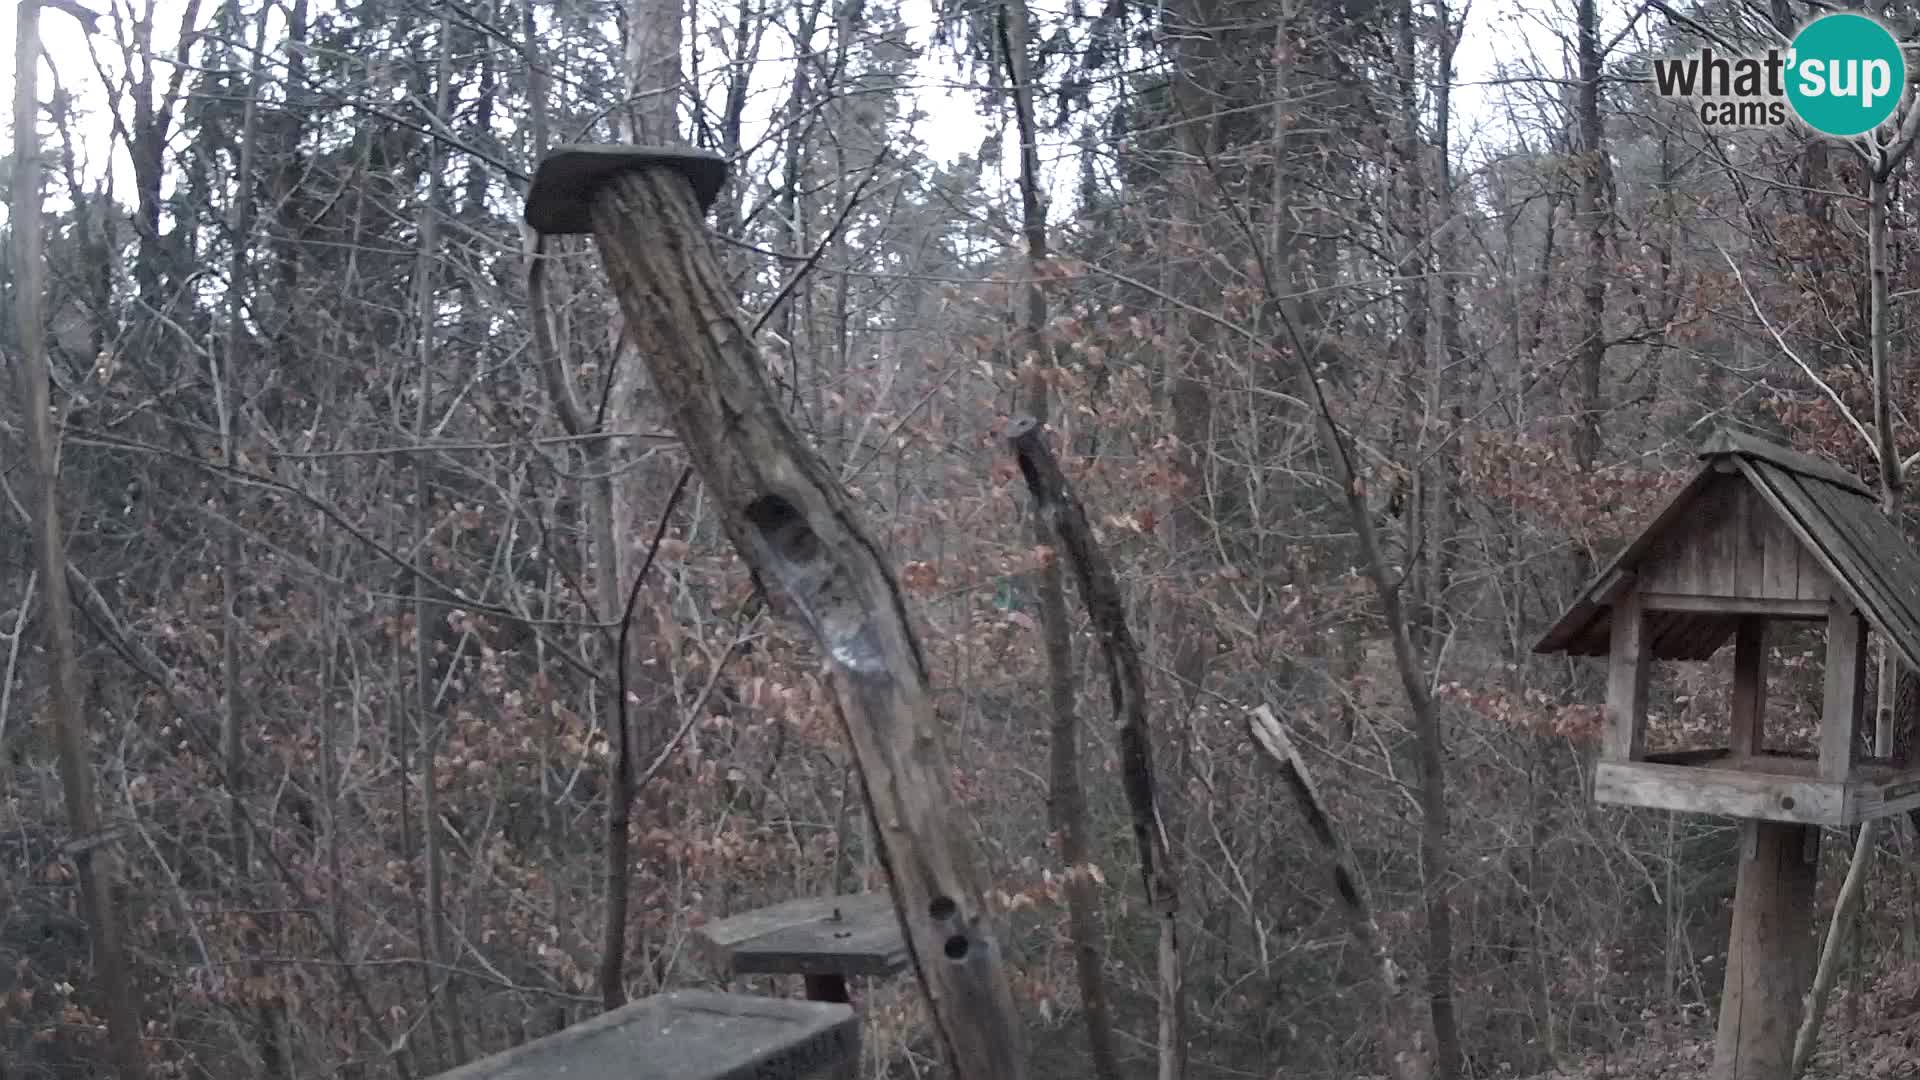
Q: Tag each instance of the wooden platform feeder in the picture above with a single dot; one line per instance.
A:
(823, 939)
(690, 1035)
(1761, 534)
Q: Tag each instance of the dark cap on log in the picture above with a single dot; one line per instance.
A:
(567, 177)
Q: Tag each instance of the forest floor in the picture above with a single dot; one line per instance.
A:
(1877, 1038)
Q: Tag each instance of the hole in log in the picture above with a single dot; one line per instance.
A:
(816, 582)
(1786, 802)
(942, 908)
(956, 948)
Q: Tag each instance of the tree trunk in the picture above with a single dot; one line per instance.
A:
(426, 692)
(91, 851)
(1067, 802)
(1066, 522)
(797, 527)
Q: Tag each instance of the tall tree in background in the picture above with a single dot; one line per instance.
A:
(88, 846)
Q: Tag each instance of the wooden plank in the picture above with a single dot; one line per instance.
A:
(1780, 549)
(1765, 606)
(827, 935)
(1627, 670)
(1574, 623)
(1720, 792)
(690, 1035)
(1892, 581)
(1719, 540)
(1887, 793)
(1726, 441)
(1610, 588)
(1769, 954)
(1837, 558)
(1750, 520)
(1845, 678)
(1749, 688)
(1815, 582)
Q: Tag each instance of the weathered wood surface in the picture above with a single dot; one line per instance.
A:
(1721, 792)
(1864, 553)
(1770, 954)
(1726, 442)
(1066, 521)
(1733, 545)
(1625, 736)
(1708, 781)
(1749, 688)
(1794, 610)
(1846, 677)
(792, 521)
(690, 1035)
(1780, 527)
(819, 935)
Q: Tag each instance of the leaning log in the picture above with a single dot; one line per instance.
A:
(794, 523)
(1402, 1041)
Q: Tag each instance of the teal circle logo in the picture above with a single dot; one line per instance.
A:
(1846, 74)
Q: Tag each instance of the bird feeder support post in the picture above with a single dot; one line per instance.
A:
(792, 520)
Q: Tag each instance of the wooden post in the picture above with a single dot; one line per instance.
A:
(1749, 687)
(1846, 673)
(1627, 663)
(794, 523)
(1770, 954)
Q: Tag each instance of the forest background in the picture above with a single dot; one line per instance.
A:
(353, 513)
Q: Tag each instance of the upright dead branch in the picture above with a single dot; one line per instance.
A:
(795, 524)
(1126, 684)
(1400, 1035)
(1066, 791)
(91, 852)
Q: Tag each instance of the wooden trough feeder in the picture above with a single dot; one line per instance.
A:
(690, 1035)
(824, 939)
(1760, 535)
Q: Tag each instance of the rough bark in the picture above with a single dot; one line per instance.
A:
(1060, 509)
(92, 853)
(1593, 213)
(794, 524)
(1066, 800)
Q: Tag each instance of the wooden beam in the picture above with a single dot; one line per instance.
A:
(1724, 792)
(1611, 587)
(793, 521)
(1749, 687)
(1627, 669)
(1846, 674)
(1767, 607)
(689, 1035)
(1770, 954)
(1890, 792)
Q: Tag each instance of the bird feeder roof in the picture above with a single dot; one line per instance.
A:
(1830, 515)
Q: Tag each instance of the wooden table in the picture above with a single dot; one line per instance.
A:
(690, 1035)
(824, 939)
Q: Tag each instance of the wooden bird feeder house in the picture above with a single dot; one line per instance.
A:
(1760, 535)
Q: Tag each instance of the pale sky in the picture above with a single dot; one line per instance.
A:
(1497, 31)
